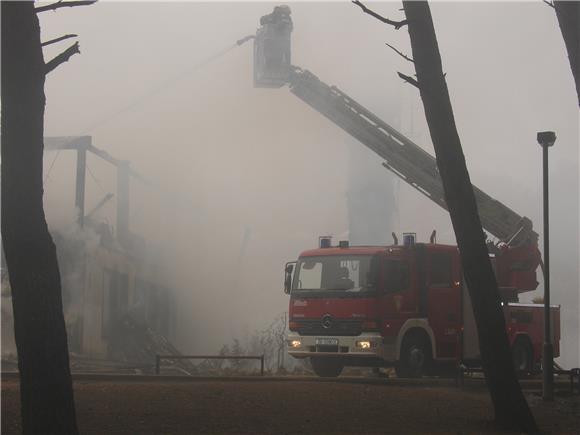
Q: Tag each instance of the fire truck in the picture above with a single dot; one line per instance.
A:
(404, 305)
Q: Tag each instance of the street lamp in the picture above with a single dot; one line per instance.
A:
(546, 139)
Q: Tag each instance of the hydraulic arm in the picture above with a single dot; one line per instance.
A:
(273, 69)
(402, 156)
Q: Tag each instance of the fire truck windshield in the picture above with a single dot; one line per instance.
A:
(347, 273)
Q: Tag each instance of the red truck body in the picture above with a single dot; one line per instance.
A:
(406, 306)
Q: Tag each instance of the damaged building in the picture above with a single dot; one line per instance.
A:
(116, 302)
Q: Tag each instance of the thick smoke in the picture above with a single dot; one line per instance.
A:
(247, 178)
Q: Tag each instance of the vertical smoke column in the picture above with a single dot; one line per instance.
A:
(371, 196)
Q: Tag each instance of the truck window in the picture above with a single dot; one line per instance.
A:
(310, 275)
(441, 270)
(348, 273)
(396, 276)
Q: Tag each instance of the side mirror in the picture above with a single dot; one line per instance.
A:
(288, 277)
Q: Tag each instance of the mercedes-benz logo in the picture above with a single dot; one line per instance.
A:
(326, 321)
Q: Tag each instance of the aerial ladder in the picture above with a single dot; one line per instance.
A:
(516, 253)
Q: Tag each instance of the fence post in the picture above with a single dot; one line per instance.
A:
(262, 365)
(459, 381)
(157, 364)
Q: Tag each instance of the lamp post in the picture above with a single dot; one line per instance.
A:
(546, 139)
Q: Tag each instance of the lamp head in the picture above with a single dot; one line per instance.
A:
(546, 138)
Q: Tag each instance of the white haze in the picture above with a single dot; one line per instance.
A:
(251, 177)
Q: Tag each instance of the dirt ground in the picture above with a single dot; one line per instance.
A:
(299, 406)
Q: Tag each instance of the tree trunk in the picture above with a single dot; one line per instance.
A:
(511, 409)
(568, 13)
(47, 404)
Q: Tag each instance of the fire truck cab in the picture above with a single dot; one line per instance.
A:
(402, 306)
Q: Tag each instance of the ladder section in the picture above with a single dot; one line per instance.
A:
(402, 156)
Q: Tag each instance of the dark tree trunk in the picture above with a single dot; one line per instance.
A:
(511, 409)
(568, 13)
(45, 381)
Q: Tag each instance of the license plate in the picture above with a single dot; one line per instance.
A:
(327, 341)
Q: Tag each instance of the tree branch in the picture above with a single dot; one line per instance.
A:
(551, 4)
(62, 38)
(410, 80)
(61, 4)
(61, 58)
(396, 24)
(399, 53)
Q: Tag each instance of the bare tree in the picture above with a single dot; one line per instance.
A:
(568, 13)
(511, 408)
(47, 403)
(278, 329)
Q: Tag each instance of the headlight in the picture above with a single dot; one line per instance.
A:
(294, 343)
(364, 344)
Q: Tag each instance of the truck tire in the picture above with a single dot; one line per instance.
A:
(522, 355)
(416, 357)
(327, 367)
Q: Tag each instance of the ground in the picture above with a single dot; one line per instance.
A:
(287, 406)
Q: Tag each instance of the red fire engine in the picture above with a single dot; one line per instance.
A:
(408, 305)
(405, 306)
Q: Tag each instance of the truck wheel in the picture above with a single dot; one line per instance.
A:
(522, 356)
(327, 367)
(415, 359)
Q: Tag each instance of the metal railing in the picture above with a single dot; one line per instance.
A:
(158, 359)
(574, 375)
